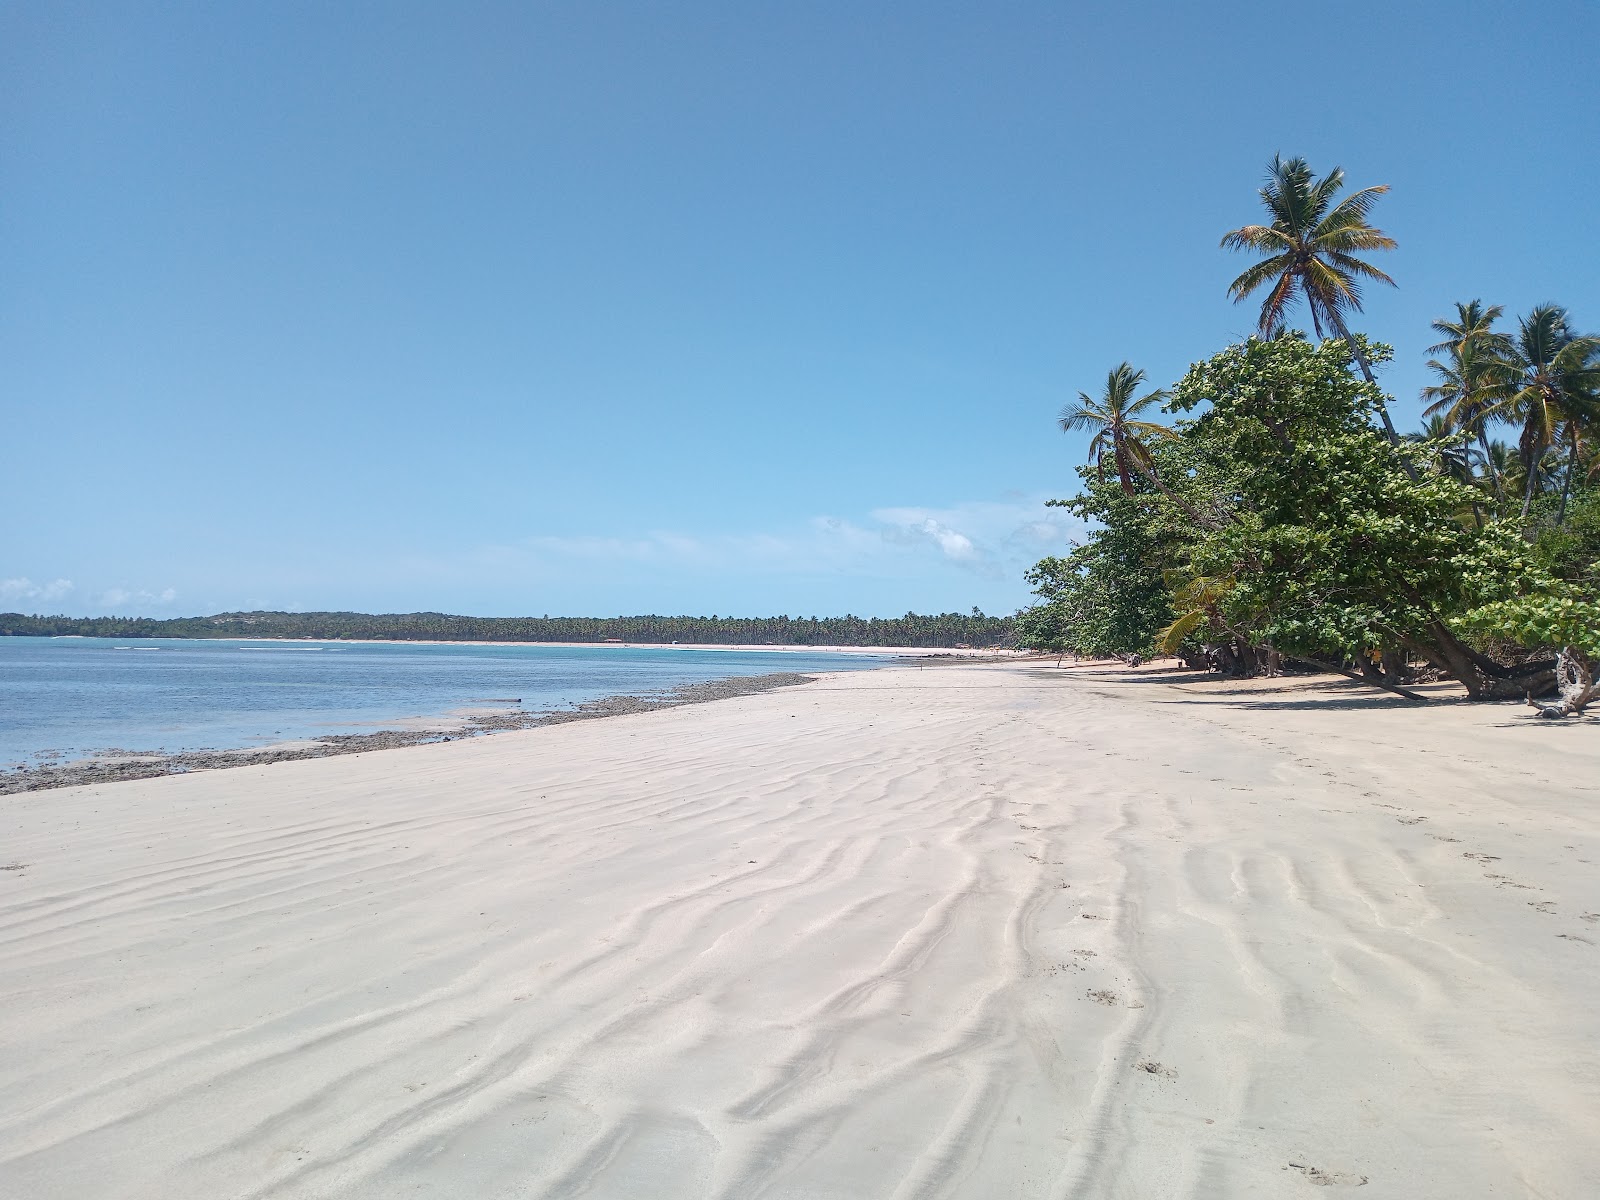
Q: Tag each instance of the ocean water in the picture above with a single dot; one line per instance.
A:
(70, 697)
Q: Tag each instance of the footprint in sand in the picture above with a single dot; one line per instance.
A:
(1329, 1178)
(1109, 999)
(1507, 881)
(1150, 1067)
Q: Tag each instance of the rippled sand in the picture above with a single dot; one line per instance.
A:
(966, 931)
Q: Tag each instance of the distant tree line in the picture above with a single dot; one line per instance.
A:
(940, 630)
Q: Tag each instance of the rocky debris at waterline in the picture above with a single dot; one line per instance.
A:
(147, 765)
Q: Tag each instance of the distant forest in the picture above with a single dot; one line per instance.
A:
(944, 629)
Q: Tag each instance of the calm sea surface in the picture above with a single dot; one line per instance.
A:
(75, 696)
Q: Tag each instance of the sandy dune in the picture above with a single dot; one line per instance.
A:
(965, 931)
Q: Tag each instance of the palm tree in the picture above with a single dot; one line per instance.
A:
(1311, 247)
(1553, 388)
(1448, 455)
(1119, 432)
(1473, 366)
(1473, 323)
(1443, 439)
(1503, 461)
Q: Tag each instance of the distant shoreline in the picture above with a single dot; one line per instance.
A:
(881, 651)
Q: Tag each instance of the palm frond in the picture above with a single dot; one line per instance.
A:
(1170, 637)
(1276, 303)
(1152, 429)
(1258, 274)
(1354, 209)
(1257, 237)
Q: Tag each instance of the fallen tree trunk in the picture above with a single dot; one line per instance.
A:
(1371, 680)
(1576, 681)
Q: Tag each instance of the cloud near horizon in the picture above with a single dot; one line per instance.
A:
(23, 588)
(889, 558)
(993, 539)
(122, 597)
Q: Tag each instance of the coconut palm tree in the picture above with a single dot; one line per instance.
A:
(1469, 374)
(1310, 249)
(1552, 388)
(1504, 462)
(1448, 456)
(1474, 323)
(1118, 431)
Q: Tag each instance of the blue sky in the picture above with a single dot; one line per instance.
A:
(737, 308)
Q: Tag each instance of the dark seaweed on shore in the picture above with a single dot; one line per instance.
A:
(91, 770)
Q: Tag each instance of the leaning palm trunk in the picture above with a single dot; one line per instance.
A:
(1572, 470)
(1533, 482)
(1153, 477)
(1488, 460)
(1366, 371)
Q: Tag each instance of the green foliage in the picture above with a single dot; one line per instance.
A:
(1107, 597)
(1287, 520)
(1199, 601)
(1290, 525)
(1119, 432)
(1550, 386)
(1560, 616)
(1571, 550)
(1333, 547)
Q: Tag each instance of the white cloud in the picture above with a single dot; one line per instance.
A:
(123, 598)
(23, 588)
(995, 539)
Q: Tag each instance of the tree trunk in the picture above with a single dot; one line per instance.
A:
(1577, 682)
(1483, 678)
(1372, 680)
(1189, 511)
(1572, 469)
(1366, 370)
(1527, 495)
(1488, 461)
(1225, 659)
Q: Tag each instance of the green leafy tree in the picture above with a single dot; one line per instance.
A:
(1108, 596)
(1334, 551)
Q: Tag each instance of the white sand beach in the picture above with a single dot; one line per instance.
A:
(968, 931)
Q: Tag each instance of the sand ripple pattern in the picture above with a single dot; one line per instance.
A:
(945, 932)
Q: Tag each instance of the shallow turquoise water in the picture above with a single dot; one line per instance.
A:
(75, 696)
